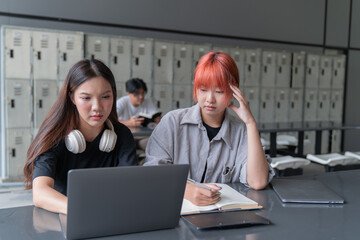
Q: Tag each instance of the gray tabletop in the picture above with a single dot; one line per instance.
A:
(288, 221)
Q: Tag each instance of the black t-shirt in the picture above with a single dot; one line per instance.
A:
(57, 161)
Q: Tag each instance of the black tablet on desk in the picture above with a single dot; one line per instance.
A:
(225, 220)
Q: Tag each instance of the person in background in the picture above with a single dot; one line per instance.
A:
(80, 131)
(219, 147)
(129, 107)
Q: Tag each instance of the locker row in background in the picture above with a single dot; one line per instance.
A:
(279, 85)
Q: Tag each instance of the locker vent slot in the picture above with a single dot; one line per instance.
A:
(142, 49)
(97, 47)
(163, 94)
(18, 140)
(17, 39)
(183, 52)
(182, 94)
(45, 91)
(18, 90)
(120, 49)
(283, 60)
(163, 52)
(44, 42)
(253, 58)
(237, 57)
(201, 52)
(70, 43)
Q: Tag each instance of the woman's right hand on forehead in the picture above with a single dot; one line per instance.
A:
(243, 111)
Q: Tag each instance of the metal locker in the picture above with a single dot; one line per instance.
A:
(336, 141)
(221, 49)
(298, 70)
(120, 89)
(17, 53)
(18, 141)
(268, 69)
(296, 105)
(17, 103)
(252, 95)
(309, 138)
(310, 104)
(45, 55)
(98, 47)
(182, 96)
(323, 111)
(267, 105)
(183, 64)
(239, 57)
(312, 71)
(45, 92)
(282, 105)
(325, 142)
(142, 57)
(198, 52)
(163, 62)
(252, 67)
(283, 69)
(325, 72)
(338, 75)
(71, 50)
(336, 105)
(120, 58)
(163, 97)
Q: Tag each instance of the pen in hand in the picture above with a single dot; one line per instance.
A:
(189, 180)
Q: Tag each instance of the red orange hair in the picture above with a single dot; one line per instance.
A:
(216, 70)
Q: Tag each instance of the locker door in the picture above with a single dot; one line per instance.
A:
(336, 141)
(309, 137)
(239, 57)
(252, 95)
(17, 53)
(182, 96)
(221, 49)
(282, 105)
(142, 57)
(120, 58)
(98, 47)
(312, 71)
(163, 62)
(298, 70)
(325, 142)
(252, 67)
(163, 97)
(310, 108)
(198, 52)
(338, 75)
(325, 72)
(183, 64)
(323, 112)
(18, 103)
(71, 50)
(45, 55)
(296, 105)
(18, 140)
(267, 105)
(268, 69)
(120, 89)
(336, 105)
(45, 95)
(283, 69)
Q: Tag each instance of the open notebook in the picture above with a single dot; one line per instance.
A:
(230, 200)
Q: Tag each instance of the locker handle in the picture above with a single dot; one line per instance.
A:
(264, 104)
(280, 69)
(265, 69)
(137, 61)
(296, 70)
(249, 68)
(308, 105)
(40, 103)
(178, 63)
(278, 105)
(92, 57)
(12, 102)
(39, 55)
(158, 104)
(159, 62)
(64, 57)
(115, 59)
(322, 72)
(292, 104)
(177, 104)
(321, 104)
(335, 73)
(11, 53)
(13, 152)
(309, 71)
(333, 105)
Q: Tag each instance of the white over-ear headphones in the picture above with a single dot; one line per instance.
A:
(75, 141)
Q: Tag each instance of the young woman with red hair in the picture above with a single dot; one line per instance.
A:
(218, 146)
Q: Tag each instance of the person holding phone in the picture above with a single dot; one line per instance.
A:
(80, 131)
(219, 147)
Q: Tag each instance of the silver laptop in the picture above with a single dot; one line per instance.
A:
(119, 200)
(304, 191)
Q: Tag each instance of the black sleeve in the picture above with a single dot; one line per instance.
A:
(45, 164)
(125, 146)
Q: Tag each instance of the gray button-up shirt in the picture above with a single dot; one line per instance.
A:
(181, 138)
